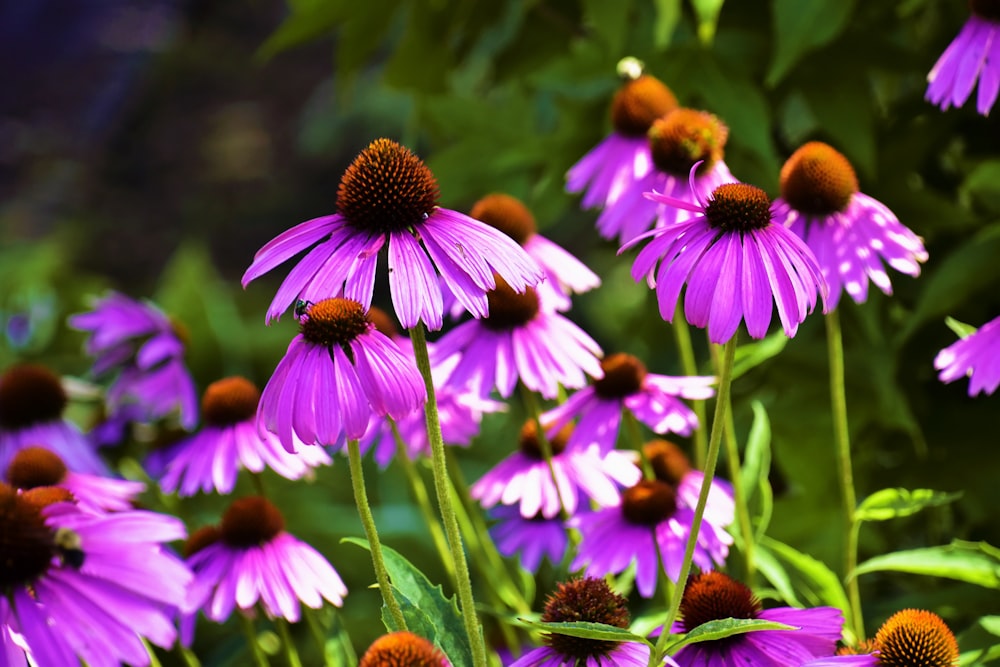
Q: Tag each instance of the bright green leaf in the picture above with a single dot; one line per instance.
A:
(891, 503)
(961, 329)
(813, 579)
(727, 627)
(974, 563)
(668, 13)
(775, 572)
(707, 12)
(979, 642)
(800, 27)
(753, 354)
(587, 631)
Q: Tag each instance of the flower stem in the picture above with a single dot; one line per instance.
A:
(712, 457)
(287, 645)
(256, 650)
(441, 487)
(685, 350)
(534, 413)
(635, 437)
(838, 406)
(368, 521)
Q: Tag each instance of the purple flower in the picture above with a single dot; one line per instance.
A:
(713, 595)
(88, 587)
(34, 467)
(250, 559)
(976, 356)
(671, 465)
(388, 197)
(844, 661)
(32, 400)
(337, 372)
(524, 478)
(653, 399)
(735, 262)
(973, 54)
(229, 440)
(687, 150)
(850, 233)
(529, 538)
(615, 537)
(520, 340)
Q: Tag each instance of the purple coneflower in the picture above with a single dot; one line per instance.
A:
(687, 152)
(587, 600)
(32, 400)
(973, 54)
(564, 273)
(337, 372)
(388, 197)
(529, 538)
(144, 347)
(712, 595)
(623, 156)
(524, 478)
(229, 440)
(249, 558)
(403, 648)
(735, 262)
(976, 356)
(519, 340)
(35, 467)
(916, 638)
(653, 399)
(83, 586)
(850, 233)
(671, 465)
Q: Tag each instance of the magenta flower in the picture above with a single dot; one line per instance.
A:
(973, 54)
(850, 233)
(735, 262)
(524, 478)
(34, 467)
(83, 586)
(976, 356)
(530, 539)
(337, 372)
(653, 399)
(712, 595)
(671, 465)
(844, 661)
(229, 440)
(388, 197)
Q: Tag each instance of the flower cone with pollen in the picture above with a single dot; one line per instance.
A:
(402, 649)
(916, 638)
(686, 137)
(818, 180)
(638, 103)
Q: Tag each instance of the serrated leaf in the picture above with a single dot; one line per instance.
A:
(891, 503)
(587, 630)
(971, 562)
(800, 27)
(751, 355)
(961, 329)
(727, 627)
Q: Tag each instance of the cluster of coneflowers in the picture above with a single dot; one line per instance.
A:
(88, 577)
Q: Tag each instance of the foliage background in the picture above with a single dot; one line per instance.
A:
(153, 149)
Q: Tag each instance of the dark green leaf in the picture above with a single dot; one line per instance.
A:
(891, 503)
(800, 27)
(979, 642)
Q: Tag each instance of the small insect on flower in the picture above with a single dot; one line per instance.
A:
(301, 306)
(68, 544)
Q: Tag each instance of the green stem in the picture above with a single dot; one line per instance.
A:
(153, 660)
(317, 633)
(258, 484)
(188, 657)
(841, 434)
(441, 487)
(718, 425)
(682, 336)
(287, 645)
(259, 657)
(534, 413)
(635, 437)
(368, 521)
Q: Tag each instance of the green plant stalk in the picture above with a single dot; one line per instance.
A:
(259, 657)
(535, 413)
(841, 434)
(463, 583)
(635, 437)
(316, 632)
(718, 425)
(368, 521)
(188, 657)
(685, 350)
(153, 660)
(287, 645)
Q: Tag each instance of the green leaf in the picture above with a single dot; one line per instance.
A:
(757, 467)
(608, 21)
(800, 27)
(979, 642)
(308, 21)
(891, 503)
(587, 630)
(982, 186)
(668, 13)
(814, 580)
(707, 12)
(844, 111)
(727, 627)
(775, 572)
(751, 355)
(961, 329)
(971, 562)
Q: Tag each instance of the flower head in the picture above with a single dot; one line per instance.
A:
(850, 233)
(671, 465)
(916, 638)
(388, 197)
(403, 649)
(735, 262)
(976, 356)
(973, 54)
(34, 467)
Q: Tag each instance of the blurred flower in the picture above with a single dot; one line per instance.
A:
(388, 197)
(712, 595)
(34, 467)
(976, 356)
(524, 477)
(844, 661)
(32, 400)
(615, 537)
(337, 372)
(672, 466)
(973, 54)
(529, 538)
(850, 233)
(916, 638)
(653, 399)
(87, 587)
(403, 648)
(687, 150)
(735, 262)
(229, 440)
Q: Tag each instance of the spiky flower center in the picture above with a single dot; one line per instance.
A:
(336, 321)
(530, 445)
(818, 180)
(27, 545)
(229, 401)
(35, 466)
(250, 522)
(638, 103)
(623, 376)
(383, 322)
(669, 463)
(649, 502)
(916, 638)
(30, 394)
(589, 600)
(205, 536)
(738, 207)
(508, 309)
(685, 136)
(43, 496)
(506, 213)
(386, 189)
(987, 9)
(402, 649)
(712, 595)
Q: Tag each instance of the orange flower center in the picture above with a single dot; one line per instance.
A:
(818, 180)
(738, 207)
(916, 638)
(249, 522)
(530, 445)
(669, 463)
(638, 103)
(685, 136)
(336, 321)
(27, 545)
(229, 401)
(712, 595)
(35, 466)
(506, 213)
(623, 376)
(30, 394)
(508, 309)
(589, 600)
(649, 502)
(402, 649)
